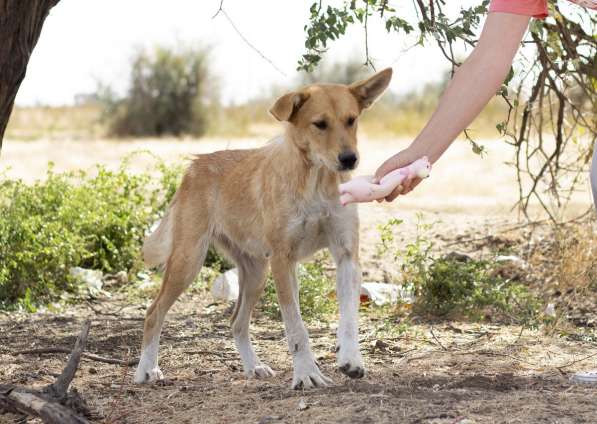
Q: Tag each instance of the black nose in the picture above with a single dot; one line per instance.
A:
(347, 159)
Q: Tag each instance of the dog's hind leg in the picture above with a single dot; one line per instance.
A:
(189, 249)
(251, 276)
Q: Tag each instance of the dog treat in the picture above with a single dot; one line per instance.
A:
(363, 189)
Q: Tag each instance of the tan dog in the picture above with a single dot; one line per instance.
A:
(275, 205)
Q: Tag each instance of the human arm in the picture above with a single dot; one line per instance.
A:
(474, 83)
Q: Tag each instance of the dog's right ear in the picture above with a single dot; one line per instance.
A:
(287, 105)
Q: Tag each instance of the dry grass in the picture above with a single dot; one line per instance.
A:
(247, 120)
(577, 264)
(56, 123)
(565, 263)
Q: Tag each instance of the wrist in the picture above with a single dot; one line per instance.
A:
(414, 152)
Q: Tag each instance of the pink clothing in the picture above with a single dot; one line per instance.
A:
(534, 8)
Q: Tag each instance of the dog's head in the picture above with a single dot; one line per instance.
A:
(323, 118)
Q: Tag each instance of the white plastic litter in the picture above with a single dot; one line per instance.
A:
(225, 286)
(91, 279)
(144, 280)
(386, 294)
(585, 377)
(550, 310)
(511, 258)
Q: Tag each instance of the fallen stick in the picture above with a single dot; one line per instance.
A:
(48, 403)
(23, 401)
(85, 355)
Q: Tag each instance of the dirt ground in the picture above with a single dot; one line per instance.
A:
(426, 372)
(450, 372)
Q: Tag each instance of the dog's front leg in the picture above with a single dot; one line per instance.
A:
(306, 372)
(348, 285)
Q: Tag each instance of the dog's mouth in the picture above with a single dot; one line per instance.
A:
(346, 168)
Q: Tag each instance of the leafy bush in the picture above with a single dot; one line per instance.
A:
(457, 285)
(74, 219)
(168, 95)
(95, 221)
(315, 293)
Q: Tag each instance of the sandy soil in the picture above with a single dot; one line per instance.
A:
(447, 372)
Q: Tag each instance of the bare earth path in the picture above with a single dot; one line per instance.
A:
(425, 373)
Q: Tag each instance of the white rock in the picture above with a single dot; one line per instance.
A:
(302, 405)
(225, 286)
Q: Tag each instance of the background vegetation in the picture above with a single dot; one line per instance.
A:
(92, 220)
(169, 94)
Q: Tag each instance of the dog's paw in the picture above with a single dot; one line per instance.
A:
(352, 371)
(307, 375)
(350, 362)
(148, 376)
(260, 371)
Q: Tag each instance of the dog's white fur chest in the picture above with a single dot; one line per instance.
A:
(315, 222)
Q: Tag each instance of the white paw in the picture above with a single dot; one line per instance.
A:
(308, 375)
(350, 361)
(260, 371)
(143, 375)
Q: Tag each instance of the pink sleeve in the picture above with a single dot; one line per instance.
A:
(534, 8)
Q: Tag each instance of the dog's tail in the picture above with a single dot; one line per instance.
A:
(158, 245)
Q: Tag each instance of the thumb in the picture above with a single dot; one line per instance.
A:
(388, 166)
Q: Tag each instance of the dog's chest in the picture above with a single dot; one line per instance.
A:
(309, 228)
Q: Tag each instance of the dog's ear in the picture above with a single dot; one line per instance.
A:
(287, 105)
(367, 91)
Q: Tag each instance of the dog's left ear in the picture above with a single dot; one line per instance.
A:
(367, 91)
(287, 105)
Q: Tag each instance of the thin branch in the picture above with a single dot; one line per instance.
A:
(247, 42)
(436, 339)
(60, 386)
(219, 9)
(85, 355)
(368, 61)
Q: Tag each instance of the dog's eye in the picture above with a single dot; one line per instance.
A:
(322, 125)
(350, 121)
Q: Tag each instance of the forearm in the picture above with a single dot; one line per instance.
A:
(473, 85)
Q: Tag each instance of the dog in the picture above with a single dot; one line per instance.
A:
(271, 207)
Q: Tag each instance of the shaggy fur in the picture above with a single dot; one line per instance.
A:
(273, 206)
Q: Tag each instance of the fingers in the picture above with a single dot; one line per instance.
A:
(415, 182)
(406, 187)
(393, 195)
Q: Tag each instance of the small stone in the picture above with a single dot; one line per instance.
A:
(302, 405)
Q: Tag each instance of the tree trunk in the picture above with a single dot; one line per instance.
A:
(20, 25)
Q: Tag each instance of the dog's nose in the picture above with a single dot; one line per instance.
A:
(347, 159)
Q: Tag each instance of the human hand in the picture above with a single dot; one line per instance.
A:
(399, 160)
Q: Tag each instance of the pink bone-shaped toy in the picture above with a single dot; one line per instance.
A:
(362, 189)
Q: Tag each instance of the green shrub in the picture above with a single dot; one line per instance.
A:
(95, 221)
(169, 94)
(316, 292)
(459, 286)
